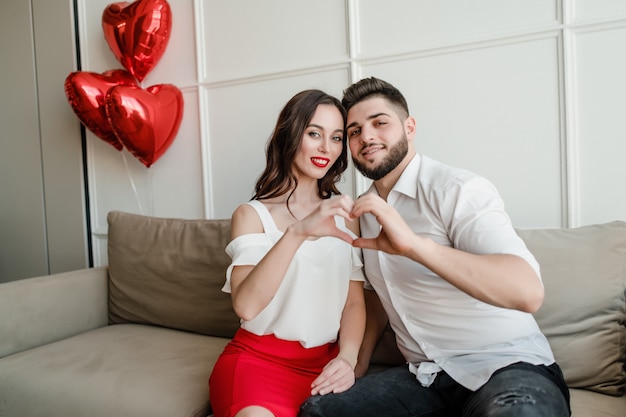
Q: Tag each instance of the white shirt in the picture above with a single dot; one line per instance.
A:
(438, 326)
(309, 302)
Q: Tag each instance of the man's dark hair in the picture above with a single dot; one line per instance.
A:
(374, 87)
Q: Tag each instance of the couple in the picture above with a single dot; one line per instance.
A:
(443, 263)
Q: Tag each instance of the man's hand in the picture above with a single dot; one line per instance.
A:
(502, 280)
(395, 237)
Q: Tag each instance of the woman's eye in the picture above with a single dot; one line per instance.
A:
(314, 134)
(338, 138)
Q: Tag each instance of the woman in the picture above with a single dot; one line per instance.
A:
(296, 281)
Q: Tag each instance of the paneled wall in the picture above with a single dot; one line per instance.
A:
(173, 186)
(526, 92)
(42, 211)
(249, 69)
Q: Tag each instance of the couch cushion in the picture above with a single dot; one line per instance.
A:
(584, 311)
(121, 370)
(587, 403)
(169, 272)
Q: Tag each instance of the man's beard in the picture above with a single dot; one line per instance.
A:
(394, 157)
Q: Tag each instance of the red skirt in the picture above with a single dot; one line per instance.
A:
(265, 371)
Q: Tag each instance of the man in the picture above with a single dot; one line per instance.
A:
(457, 284)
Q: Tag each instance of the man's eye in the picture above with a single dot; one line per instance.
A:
(355, 132)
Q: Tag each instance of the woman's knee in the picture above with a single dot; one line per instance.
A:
(254, 411)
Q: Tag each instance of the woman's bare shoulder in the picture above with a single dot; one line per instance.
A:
(245, 220)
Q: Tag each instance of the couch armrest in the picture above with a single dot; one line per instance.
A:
(40, 310)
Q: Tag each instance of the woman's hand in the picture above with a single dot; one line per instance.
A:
(321, 222)
(337, 376)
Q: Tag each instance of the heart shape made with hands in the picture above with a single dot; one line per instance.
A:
(137, 33)
(145, 121)
(86, 92)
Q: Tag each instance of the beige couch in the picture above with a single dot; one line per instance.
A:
(139, 337)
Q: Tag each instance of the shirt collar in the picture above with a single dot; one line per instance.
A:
(407, 183)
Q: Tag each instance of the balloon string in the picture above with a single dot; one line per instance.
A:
(132, 183)
(151, 190)
(150, 175)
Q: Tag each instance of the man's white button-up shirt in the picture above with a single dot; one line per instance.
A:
(438, 326)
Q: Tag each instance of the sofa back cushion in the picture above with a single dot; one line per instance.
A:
(584, 311)
(169, 272)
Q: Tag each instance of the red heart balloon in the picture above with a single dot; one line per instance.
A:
(86, 92)
(145, 121)
(137, 33)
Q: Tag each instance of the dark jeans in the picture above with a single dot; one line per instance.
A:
(518, 390)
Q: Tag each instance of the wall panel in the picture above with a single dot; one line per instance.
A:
(42, 205)
(244, 38)
(601, 65)
(23, 240)
(178, 62)
(493, 110)
(173, 185)
(421, 24)
(241, 118)
(585, 10)
(524, 92)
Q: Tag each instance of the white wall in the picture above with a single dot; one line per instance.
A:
(526, 92)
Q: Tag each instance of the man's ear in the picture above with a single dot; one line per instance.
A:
(409, 127)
